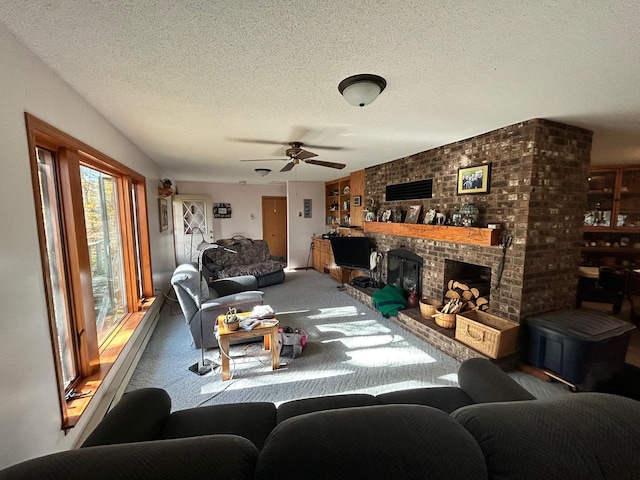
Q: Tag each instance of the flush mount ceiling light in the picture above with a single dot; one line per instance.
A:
(361, 90)
(263, 172)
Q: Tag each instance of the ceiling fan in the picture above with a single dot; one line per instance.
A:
(295, 154)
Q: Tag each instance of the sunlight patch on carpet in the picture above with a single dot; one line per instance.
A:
(333, 312)
(388, 356)
(256, 379)
(365, 341)
(357, 328)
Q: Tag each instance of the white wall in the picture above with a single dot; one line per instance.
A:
(29, 410)
(302, 229)
(246, 205)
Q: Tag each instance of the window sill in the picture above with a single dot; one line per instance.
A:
(109, 352)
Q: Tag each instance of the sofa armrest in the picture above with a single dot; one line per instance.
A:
(139, 416)
(485, 382)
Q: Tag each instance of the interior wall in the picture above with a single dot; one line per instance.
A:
(246, 211)
(29, 408)
(246, 205)
(302, 229)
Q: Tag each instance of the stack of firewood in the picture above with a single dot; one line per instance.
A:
(463, 297)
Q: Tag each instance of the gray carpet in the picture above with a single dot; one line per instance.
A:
(350, 348)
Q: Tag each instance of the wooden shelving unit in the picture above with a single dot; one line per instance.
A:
(338, 202)
(469, 235)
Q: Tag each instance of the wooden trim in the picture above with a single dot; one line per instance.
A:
(111, 348)
(467, 235)
(91, 364)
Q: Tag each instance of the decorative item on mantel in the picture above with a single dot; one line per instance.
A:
(469, 213)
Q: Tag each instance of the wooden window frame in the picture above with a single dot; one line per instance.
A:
(92, 361)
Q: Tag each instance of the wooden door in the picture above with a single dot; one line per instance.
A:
(274, 224)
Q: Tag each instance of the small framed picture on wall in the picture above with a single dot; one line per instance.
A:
(163, 210)
(474, 179)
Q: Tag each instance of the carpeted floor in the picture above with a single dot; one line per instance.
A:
(351, 348)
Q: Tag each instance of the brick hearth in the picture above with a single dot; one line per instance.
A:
(426, 329)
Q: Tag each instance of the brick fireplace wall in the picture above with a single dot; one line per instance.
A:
(538, 187)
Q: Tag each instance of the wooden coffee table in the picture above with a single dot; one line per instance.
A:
(268, 330)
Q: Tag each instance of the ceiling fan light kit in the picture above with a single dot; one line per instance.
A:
(263, 172)
(363, 89)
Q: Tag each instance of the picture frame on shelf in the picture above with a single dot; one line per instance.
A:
(357, 200)
(474, 179)
(163, 210)
(413, 214)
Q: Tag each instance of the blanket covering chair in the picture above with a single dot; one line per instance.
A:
(251, 257)
(202, 303)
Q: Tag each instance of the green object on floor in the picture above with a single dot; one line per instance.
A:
(389, 300)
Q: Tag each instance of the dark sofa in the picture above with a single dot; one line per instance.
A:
(489, 427)
(251, 257)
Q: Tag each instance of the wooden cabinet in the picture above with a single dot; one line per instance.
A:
(321, 249)
(338, 202)
(324, 262)
(613, 199)
(612, 217)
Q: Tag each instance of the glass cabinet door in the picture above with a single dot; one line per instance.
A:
(629, 209)
(600, 199)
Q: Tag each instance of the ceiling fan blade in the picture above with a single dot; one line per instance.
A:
(288, 166)
(322, 163)
(255, 140)
(304, 154)
(265, 160)
(324, 147)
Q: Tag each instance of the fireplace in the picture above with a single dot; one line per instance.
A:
(473, 276)
(404, 269)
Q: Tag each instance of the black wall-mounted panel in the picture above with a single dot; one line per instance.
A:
(409, 190)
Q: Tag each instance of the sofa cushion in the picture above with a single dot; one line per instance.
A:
(446, 399)
(484, 382)
(253, 421)
(225, 456)
(375, 442)
(307, 405)
(140, 415)
(587, 435)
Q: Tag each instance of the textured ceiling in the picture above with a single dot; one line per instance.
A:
(186, 80)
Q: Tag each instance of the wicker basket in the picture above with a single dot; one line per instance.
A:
(232, 326)
(491, 335)
(445, 320)
(428, 307)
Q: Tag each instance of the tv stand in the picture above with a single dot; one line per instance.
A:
(324, 262)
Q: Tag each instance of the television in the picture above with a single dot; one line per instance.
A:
(351, 252)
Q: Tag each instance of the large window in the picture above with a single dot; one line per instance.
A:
(95, 255)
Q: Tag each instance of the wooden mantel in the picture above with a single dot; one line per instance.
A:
(470, 235)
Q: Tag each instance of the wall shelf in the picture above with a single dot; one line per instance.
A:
(469, 235)
(165, 191)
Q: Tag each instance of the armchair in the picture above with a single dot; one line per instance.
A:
(194, 296)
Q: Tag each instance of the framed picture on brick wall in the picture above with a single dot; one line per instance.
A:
(475, 179)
